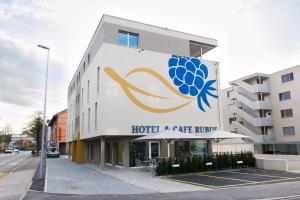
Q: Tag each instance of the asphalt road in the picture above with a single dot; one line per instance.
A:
(9, 162)
(287, 190)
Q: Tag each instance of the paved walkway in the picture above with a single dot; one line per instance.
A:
(144, 179)
(67, 177)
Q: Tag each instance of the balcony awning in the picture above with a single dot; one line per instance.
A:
(169, 135)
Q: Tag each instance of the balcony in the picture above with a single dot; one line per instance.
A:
(256, 88)
(250, 117)
(254, 105)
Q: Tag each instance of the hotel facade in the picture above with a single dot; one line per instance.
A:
(136, 79)
(265, 107)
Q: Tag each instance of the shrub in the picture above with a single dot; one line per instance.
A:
(198, 163)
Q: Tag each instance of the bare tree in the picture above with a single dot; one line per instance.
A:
(34, 128)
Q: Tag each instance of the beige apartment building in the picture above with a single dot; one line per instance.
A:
(265, 107)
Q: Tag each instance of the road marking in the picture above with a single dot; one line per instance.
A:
(229, 185)
(189, 182)
(261, 182)
(259, 174)
(222, 177)
(2, 174)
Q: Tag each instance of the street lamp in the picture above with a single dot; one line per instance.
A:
(44, 119)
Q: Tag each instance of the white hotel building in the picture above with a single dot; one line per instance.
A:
(136, 79)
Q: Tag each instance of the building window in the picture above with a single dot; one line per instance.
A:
(89, 59)
(287, 77)
(82, 124)
(88, 92)
(89, 119)
(288, 130)
(128, 39)
(84, 66)
(286, 113)
(231, 119)
(96, 116)
(284, 96)
(98, 75)
(81, 97)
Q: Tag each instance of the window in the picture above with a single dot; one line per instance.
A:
(96, 116)
(128, 39)
(284, 96)
(286, 113)
(89, 59)
(228, 93)
(82, 124)
(82, 98)
(98, 75)
(287, 77)
(89, 118)
(84, 66)
(288, 130)
(231, 119)
(88, 92)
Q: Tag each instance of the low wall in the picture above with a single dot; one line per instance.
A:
(278, 162)
(272, 164)
(232, 147)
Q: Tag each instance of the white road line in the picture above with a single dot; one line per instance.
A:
(283, 197)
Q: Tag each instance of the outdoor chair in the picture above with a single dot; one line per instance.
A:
(152, 167)
(138, 164)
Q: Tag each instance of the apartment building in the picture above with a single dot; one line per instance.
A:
(265, 107)
(58, 126)
(136, 79)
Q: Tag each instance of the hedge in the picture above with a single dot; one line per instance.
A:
(199, 163)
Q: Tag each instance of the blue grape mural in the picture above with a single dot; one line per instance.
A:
(191, 78)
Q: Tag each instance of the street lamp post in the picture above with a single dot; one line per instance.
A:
(44, 117)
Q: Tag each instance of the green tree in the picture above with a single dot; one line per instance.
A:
(34, 128)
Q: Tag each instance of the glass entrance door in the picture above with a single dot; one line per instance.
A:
(154, 150)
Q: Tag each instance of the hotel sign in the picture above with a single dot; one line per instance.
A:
(136, 129)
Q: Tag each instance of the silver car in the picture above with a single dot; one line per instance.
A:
(52, 152)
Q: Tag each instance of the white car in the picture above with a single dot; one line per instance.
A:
(8, 150)
(16, 150)
(52, 152)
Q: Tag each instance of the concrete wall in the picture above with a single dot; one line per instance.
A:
(278, 162)
(233, 147)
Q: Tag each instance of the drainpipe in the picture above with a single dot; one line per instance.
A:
(201, 52)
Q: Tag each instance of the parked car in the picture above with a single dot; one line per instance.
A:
(8, 150)
(16, 150)
(52, 152)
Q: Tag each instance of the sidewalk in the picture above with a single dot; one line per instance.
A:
(16, 183)
(145, 180)
(67, 177)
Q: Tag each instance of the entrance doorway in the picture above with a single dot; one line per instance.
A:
(154, 149)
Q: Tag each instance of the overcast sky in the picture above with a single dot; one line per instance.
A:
(253, 36)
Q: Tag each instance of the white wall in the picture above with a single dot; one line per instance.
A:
(117, 113)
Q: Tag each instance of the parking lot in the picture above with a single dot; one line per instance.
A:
(234, 178)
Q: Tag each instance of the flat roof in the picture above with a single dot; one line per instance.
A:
(207, 43)
(245, 78)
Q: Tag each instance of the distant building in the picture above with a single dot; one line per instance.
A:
(265, 107)
(4, 141)
(58, 125)
(22, 141)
